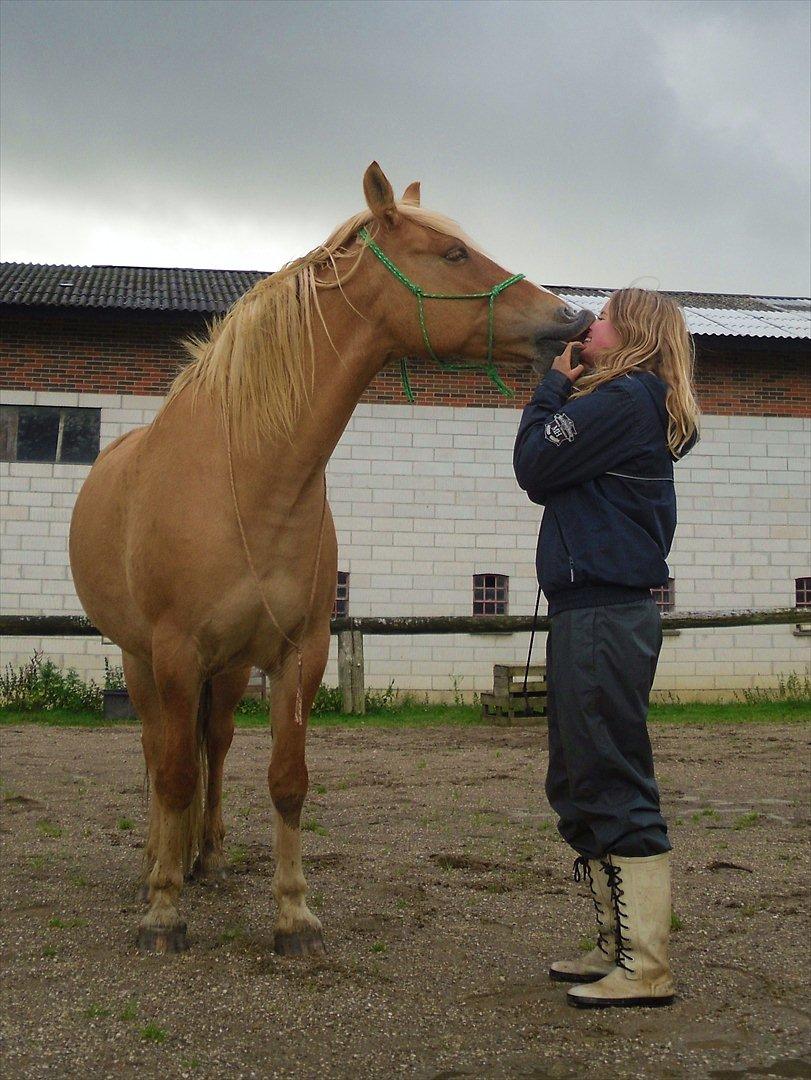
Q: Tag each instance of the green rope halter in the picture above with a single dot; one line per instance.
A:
(489, 367)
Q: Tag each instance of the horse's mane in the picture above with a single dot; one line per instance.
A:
(257, 361)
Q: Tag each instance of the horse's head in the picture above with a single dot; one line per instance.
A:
(435, 255)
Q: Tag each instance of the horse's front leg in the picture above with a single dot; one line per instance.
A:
(298, 931)
(178, 790)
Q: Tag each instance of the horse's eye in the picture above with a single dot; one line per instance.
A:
(456, 254)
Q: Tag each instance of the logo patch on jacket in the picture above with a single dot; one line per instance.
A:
(560, 429)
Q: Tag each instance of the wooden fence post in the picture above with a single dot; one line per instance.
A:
(350, 672)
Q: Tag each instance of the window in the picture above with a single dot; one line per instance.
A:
(665, 595)
(49, 433)
(491, 594)
(802, 592)
(341, 605)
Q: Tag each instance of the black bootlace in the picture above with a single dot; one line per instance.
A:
(582, 871)
(623, 955)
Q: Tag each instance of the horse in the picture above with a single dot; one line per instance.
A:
(203, 544)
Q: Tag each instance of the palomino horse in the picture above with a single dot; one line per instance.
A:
(203, 544)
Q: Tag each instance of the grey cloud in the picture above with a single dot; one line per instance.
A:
(565, 136)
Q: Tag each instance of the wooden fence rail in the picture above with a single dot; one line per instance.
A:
(351, 630)
(79, 626)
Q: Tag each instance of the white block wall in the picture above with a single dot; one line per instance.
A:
(424, 497)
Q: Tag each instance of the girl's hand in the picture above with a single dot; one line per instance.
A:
(567, 362)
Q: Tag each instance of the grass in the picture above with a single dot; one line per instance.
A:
(231, 933)
(153, 1033)
(47, 828)
(94, 1012)
(700, 713)
(313, 826)
(732, 712)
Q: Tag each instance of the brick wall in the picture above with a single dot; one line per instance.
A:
(140, 353)
(437, 484)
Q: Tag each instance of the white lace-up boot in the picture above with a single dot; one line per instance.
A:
(640, 894)
(598, 961)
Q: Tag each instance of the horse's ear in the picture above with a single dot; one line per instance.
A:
(411, 195)
(379, 195)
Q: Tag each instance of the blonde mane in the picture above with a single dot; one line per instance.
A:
(257, 362)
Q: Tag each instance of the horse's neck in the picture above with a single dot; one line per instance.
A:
(345, 363)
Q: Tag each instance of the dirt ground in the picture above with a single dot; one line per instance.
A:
(445, 892)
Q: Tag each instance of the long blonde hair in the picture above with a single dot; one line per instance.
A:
(653, 337)
(257, 361)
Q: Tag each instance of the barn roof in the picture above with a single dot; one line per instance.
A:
(212, 292)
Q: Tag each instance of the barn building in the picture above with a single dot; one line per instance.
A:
(429, 517)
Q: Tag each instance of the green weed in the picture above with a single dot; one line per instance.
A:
(746, 821)
(93, 1012)
(153, 1033)
(47, 828)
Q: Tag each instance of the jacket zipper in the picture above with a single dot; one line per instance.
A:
(566, 549)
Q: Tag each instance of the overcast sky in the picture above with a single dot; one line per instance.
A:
(582, 143)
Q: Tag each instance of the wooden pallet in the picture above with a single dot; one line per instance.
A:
(507, 704)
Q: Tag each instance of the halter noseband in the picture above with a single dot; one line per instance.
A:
(489, 367)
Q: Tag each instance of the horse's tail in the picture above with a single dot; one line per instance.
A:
(194, 817)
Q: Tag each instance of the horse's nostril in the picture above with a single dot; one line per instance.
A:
(568, 313)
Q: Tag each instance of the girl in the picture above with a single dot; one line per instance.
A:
(599, 456)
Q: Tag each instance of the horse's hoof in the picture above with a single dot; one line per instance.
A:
(211, 875)
(300, 943)
(162, 939)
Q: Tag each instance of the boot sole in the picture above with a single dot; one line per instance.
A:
(563, 976)
(607, 1003)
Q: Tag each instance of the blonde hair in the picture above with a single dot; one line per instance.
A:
(653, 337)
(258, 361)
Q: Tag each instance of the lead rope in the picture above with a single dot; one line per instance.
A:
(298, 711)
(529, 653)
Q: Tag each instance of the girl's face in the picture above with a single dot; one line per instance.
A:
(600, 336)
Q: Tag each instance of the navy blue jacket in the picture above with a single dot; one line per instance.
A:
(601, 466)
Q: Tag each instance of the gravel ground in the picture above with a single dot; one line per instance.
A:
(444, 891)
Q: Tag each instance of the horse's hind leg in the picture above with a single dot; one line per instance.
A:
(227, 690)
(144, 696)
(178, 788)
(298, 931)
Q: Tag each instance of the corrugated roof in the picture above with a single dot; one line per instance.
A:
(722, 315)
(214, 291)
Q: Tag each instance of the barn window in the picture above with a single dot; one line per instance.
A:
(802, 592)
(341, 605)
(44, 433)
(665, 595)
(491, 594)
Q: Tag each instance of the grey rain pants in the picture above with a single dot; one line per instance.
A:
(600, 664)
